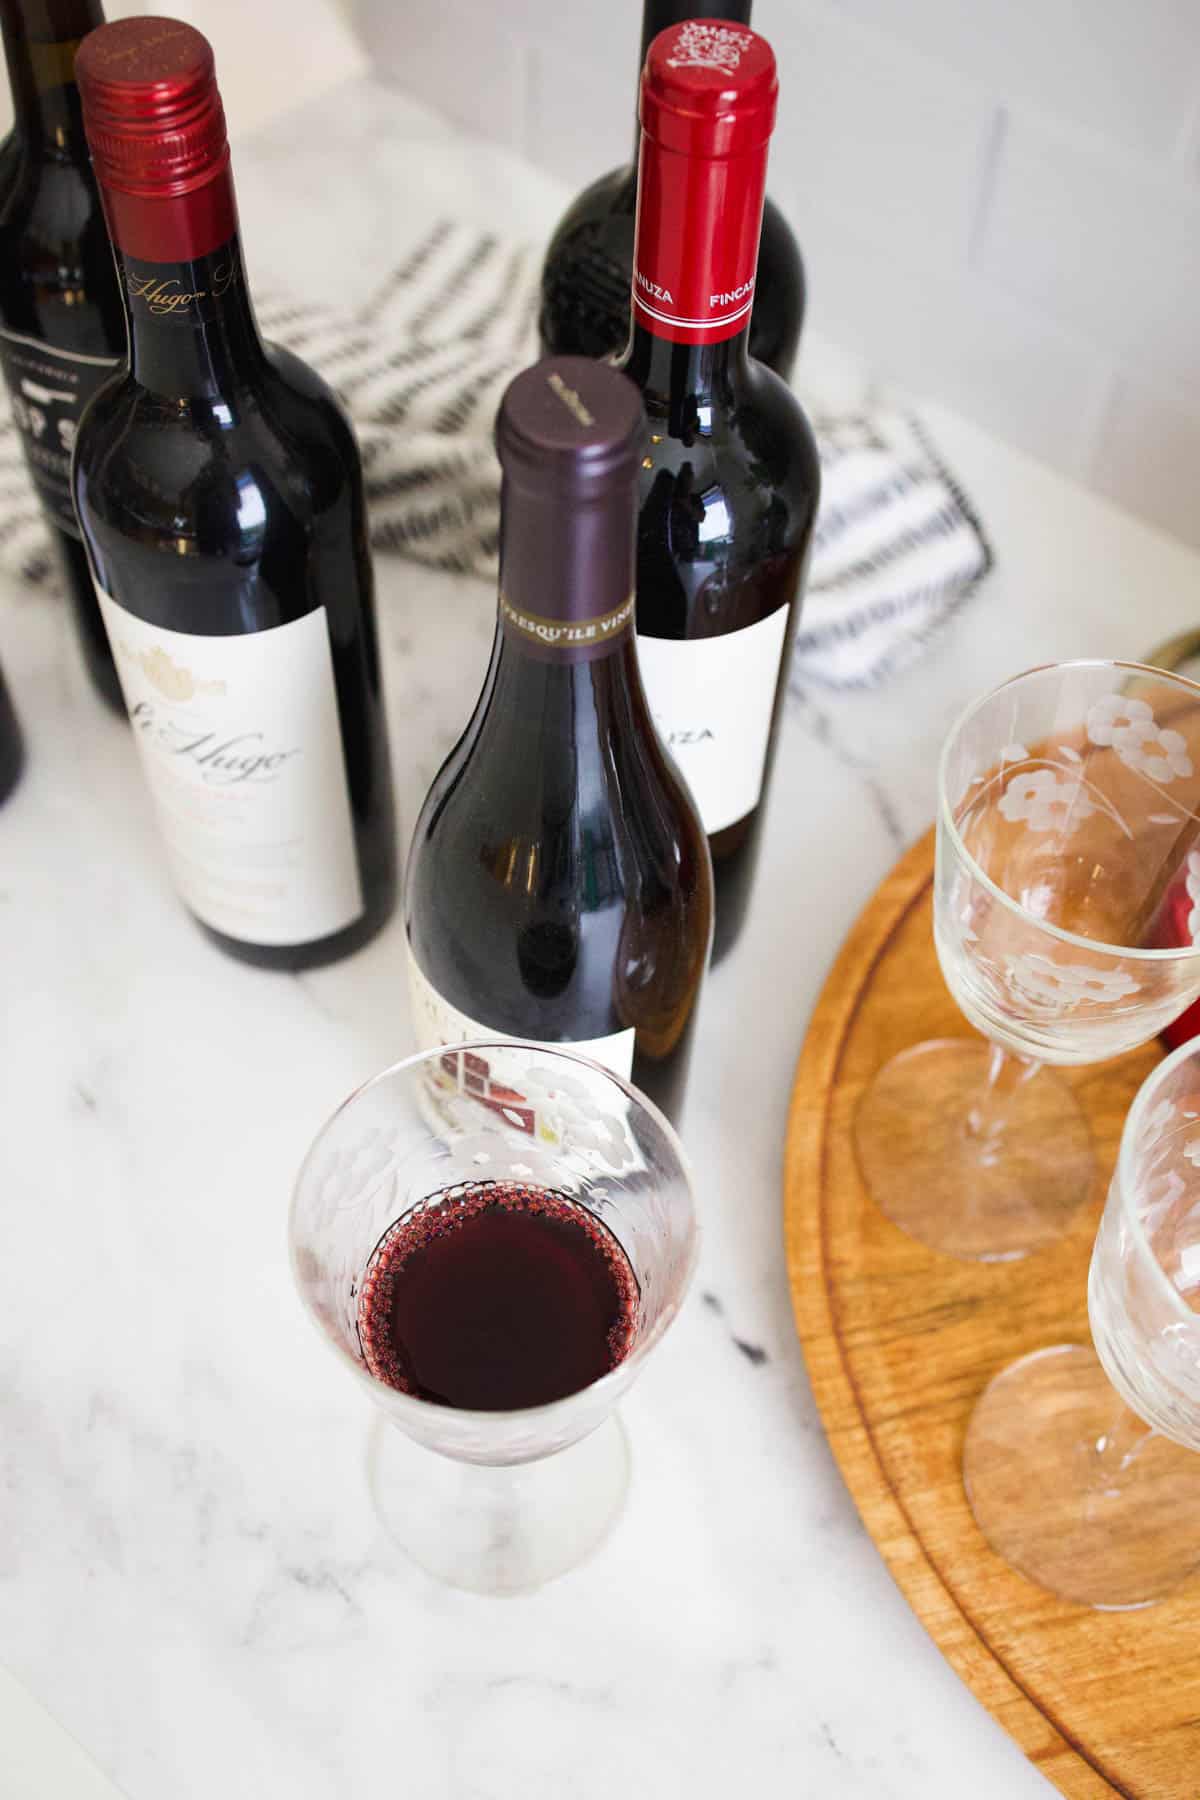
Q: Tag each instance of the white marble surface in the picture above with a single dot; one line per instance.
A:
(191, 1576)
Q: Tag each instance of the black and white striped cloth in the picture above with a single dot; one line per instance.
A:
(421, 367)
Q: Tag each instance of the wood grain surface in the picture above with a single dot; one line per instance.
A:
(900, 1342)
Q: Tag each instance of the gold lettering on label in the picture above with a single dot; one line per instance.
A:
(165, 298)
(566, 634)
(162, 297)
(569, 398)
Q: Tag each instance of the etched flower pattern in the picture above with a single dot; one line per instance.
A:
(1041, 981)
(1128, 725)
(1057, 794)
(1056, 865)
(1161, 1117)
(1041, 800)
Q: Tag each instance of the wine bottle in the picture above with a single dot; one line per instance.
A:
(559, 886)
(589, 263)
(729, 486)
(62, 328)
(220, 491)
(12, 747)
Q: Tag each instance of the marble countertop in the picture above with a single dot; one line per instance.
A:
(192, 1579)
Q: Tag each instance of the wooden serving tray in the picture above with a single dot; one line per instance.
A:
(900, 1342)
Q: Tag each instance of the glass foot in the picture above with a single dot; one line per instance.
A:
(499, 1530)
(1112, 1533)
(987, 1196)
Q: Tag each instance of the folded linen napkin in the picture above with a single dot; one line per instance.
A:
(421, 366)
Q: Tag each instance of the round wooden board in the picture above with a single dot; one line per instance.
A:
(899, 1343)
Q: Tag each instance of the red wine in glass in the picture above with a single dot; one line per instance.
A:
(495, 1297)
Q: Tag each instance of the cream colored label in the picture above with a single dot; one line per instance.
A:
(242, 752)
(712, 700)
(436, 1022)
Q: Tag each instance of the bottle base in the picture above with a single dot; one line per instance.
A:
(293, 959)
(499, 1529)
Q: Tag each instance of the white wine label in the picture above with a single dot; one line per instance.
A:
(49, 389)
(242, 751)
(712, 700)
(436, 1022)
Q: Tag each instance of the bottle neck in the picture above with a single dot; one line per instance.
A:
(565, 623)
(685, 382)
(40, 41)
(658, 15)
(569, 709)
(694, 270)
(192, 330)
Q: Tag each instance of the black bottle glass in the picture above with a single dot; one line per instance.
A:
(12, 747)
(62, 327)
(730, 484)
(559, 885)
(589, 262)
(220, 490)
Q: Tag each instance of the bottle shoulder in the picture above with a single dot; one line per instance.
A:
(611, 196)
(743, 462)
(586, 272)
(282, 423)
(558, 867)
(519, 776)
(57, 277)
(555, 910)
(779, 250)
(298, 383)
(50, 201)
(773, 410)
(224, 511)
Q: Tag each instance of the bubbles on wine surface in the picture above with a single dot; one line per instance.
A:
(496, 1296)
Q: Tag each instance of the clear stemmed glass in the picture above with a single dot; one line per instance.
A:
(1067, 809)
(494, 1501)
(1095, 1494)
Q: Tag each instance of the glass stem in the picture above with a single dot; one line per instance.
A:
(1115, 1451)
(989, 1114)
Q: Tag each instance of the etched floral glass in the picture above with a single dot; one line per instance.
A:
(494, 1501)
(1067, 810)
(1095, 1494)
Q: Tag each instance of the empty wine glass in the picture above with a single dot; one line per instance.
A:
(1067, 807)
(493, 1500)
(1095, 1494)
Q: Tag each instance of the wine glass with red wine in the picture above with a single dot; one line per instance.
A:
(493, 1237)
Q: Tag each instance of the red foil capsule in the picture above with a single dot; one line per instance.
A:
(708, 102)
(156, 130)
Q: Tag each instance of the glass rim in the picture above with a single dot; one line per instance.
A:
(1127, 1187)
(548, 1411)
(946, 819)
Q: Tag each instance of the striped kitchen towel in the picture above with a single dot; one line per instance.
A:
(421, 367)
